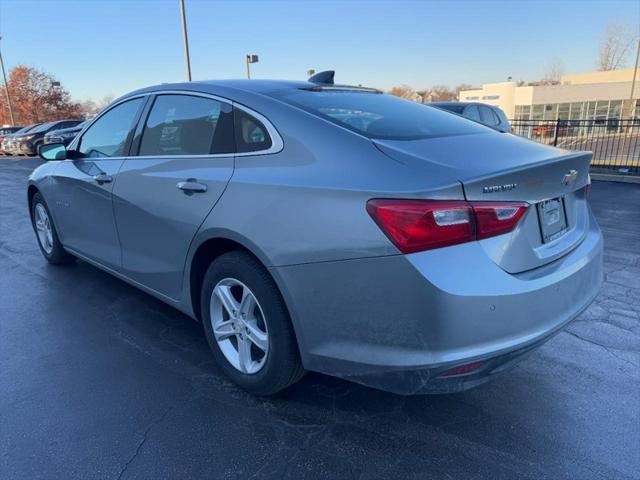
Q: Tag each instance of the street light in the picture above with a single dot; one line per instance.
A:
(251, 59)
(6, 89)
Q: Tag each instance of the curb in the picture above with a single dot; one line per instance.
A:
(615, 178)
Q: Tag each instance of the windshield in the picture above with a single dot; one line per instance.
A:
(43, 127)
(380, 116)
(26, 129)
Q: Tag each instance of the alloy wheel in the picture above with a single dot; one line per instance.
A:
(44, 228)
(239, 325)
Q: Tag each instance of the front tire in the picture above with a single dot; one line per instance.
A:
(46, 233)
(247, 325)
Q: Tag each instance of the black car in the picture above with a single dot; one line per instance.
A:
(64, 135)
(488, 115)
(28, 143)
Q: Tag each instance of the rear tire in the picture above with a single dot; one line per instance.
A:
(274, 366)
(46, 233)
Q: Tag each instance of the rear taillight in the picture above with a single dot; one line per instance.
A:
(417, 225)
(496, 218)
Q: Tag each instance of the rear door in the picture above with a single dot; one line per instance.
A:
(83, 186)
(182, 159)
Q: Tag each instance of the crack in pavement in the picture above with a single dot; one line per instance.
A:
(145, 436)
(608, 349)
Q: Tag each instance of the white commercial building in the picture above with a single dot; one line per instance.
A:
(582, 96)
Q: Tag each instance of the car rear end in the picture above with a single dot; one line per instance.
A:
(453, 308)
(479, 277)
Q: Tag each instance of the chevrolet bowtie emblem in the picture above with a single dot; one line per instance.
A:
(570, 178)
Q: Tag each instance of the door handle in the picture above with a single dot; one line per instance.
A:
(103, 178)
(190, 186)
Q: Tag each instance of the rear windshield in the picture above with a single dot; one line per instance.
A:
(380, 116)
(452, 108)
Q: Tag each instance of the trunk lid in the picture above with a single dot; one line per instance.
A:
(503, 167)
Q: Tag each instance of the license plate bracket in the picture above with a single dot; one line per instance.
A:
(552, 218)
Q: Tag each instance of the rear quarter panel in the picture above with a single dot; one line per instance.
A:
(308, 202)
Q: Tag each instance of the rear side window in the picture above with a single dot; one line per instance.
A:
(107, 136)
(473, 113)
(251, 134)
(187, 125)
(488, 116)
(377, 115)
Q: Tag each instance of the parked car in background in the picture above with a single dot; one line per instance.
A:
(64, 135)
(488, 115)
(332, 228)
(28, 143)
(7, 145)
(4, 131)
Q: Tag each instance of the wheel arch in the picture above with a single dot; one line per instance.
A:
(207, 247)
(211, 246)
(31, 192)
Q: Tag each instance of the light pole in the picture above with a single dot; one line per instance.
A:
(6, 89)
(635, 71)
(186, 40)
(251, 59)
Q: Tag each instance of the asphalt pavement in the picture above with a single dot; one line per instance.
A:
(100, 381)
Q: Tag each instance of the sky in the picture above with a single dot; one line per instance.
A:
(109, 47)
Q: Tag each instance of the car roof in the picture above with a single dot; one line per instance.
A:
(231, 88)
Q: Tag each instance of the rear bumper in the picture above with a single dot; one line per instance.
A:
(397, 323)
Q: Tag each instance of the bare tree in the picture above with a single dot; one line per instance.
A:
(553, 72)
(437, 93)
(616, 43)
(405, 92)
(90, 107)
(462, 87)
(441, 93)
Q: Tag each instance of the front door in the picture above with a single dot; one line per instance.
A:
(83, 204)
(163, 194)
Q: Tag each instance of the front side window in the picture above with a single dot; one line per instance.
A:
(107, 136)
(380, 116)
(187, 125)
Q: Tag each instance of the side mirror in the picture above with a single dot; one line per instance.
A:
(52, 151)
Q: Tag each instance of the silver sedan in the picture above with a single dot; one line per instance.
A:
(323, 227)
